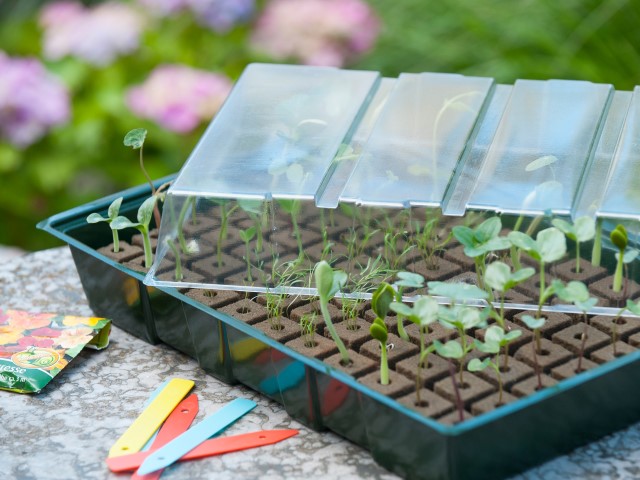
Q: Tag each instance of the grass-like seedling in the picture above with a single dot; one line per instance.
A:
(495, 339)
(423, 313)
(405, 280)
(498, 277)
(328, 283)
(578, 294)
(582, 230)
(308, 329)
(293, 207)
(145, 213)
(225, 213)
(256, 211)
(112, 214)
(480, 241)
(379, 332)
(246, 236)
(429, 241)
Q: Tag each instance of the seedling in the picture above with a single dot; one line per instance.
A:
(633, 307)
(549, 246)
(423, 313)
(498, 277)
(462, 318)
(145, 212)
(308, 329)
(189, 202)
(293, 207)
(328, 283)
(596, 251)
(406, 280)
(176, 252)
(112, 213)
(429, 241)
(452, 350)
(583, 230)
(495, 339)
(224, 226)
(246, 236)
(378, 331)
(535, 324)
(256, 212)
(623, 256)
(480, 241)
(135, 139)
(578, 294)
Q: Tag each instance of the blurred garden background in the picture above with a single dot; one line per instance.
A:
(76, 76)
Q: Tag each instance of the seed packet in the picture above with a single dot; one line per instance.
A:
(35, 347)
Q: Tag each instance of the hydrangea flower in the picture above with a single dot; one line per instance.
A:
(97, 35)
(179, 97)
(219, 15)
(316, 32)
(31, 101)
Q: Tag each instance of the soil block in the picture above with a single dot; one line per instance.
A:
(473, 388)
(352, 338)
(454, 417)
(437, 369)
(187, 276)
(314, 308)
(603, 289)
(126, 252)
(515, 372)
(398, 385)
(570, 369)
(571, 338)
(397, 349)
(287, 330)
(360, 365)
(213, 298)
(246, 310)
(431, 405)
(287, 303)
(457, 256)
(606, 354)
(320, 348)
(436, 332)
(531, 286)
(530, 385)
(445, 270)
(555, 322)
(588, 273)
(625, 326)
(208, 267)
(490, 403)
(549, 356)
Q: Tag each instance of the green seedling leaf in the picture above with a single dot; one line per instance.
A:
(250, 206)
(145, 212)
(471, 317)
(401, 309)
(551, 244)
(487, 347)
(633, 307)
(451, 349)
(379, 332)
(488, 229)
(409, 280)
(573, 291)
(247, 235)
(328, 281)
(382, 298)
(135, 138)
(533, 323)
(541, 162)
(477, 365)
(619, 237)
(464, 235)
(457, 291)
(120, 223)
(96, 218)
(512, 335)
(585, 228)
(290, 206)
(587, 305)
(497, 276)
(114, 208)
(423, 312)
(565, 227)
(524, 242)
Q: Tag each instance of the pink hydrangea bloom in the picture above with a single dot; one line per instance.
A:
(316, 32)
(31, 100)
(179, 97)
(97, 35)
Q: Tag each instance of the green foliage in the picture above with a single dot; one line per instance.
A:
(499, 276)
(112, 213)
(328, 282)
(135, 138)
(381, 299)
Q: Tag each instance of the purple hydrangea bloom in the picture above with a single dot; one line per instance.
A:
(316, 32)
(31, 100)
(222, 15)
(163, 8)
(179, 97)
(97, 35)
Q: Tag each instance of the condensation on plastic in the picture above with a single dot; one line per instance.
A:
(277, 133)
(418, 140)
(543, 144)
(622, 196)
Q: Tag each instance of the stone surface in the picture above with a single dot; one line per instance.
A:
(106, 391)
